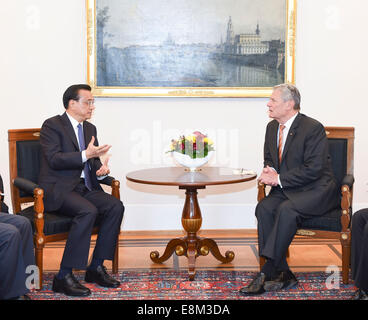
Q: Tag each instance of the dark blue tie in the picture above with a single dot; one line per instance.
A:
(87, 173)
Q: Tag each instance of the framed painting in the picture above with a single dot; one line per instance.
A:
(190, 48)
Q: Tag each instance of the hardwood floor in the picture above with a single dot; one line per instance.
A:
(135, 248)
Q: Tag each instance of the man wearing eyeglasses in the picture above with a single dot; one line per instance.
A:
(70, 172)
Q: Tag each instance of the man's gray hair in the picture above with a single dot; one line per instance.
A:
(289, 92)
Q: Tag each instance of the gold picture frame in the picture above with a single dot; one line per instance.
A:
(233, 47)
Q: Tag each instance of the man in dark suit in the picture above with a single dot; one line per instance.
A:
(16, 253)
(359, 253)
(70, 173)
(297, 166)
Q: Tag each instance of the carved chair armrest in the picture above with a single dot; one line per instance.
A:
(114, 184)
(115, 191)
(107, 181)
(346, 200)
(25, 185)
(261, 191)
(348, 180)
(39, 218)
(33, 189)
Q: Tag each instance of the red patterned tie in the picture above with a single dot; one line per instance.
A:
(281, 129)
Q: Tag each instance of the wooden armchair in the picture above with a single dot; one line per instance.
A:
(334, 224)
(24, 163)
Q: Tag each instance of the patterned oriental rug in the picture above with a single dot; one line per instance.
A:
(208, 285)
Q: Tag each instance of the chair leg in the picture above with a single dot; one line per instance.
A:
(39, 263)
(262, 261)
(345, 263)
(115, 261)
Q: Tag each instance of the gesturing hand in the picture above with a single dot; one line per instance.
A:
(93, 151)
(104, 169)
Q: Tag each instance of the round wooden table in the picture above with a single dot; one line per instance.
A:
(191, 246)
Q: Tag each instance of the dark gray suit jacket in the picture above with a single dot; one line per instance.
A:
(61, 160)
(305, 172)
(3, 206)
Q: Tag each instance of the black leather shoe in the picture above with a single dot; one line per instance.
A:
(364, 295)
(70, 286)
(285, 280)
(255, 287)
(360, 295)
(101, 277)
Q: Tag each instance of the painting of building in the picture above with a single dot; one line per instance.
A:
(246, 43)
(231, 43)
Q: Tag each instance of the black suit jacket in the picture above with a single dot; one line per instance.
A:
(305, 171)
(3, 207)
(61, 160)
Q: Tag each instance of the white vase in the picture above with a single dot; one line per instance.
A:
(190, 163)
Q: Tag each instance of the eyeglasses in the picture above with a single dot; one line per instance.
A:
(90, 102)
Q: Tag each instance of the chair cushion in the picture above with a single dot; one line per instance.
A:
(28, 161)
(54, 222)
(330, 221)
(338, 152)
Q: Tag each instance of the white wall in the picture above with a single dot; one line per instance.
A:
(43, 50)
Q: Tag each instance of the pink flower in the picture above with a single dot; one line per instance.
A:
(199, 134)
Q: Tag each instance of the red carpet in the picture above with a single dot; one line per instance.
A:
(208, 285)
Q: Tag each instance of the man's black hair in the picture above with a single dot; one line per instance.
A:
(72, 93)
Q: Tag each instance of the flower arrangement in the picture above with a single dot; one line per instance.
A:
(197, 145)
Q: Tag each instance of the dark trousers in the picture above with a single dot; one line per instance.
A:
(278, 222)
(16, 254)
(359, 249)
(86, 207)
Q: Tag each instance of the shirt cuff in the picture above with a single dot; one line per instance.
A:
(279, 181)
(84, 157)
(102, 177)
(278, 177)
